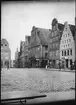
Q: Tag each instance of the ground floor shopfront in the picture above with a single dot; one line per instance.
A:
(54, 63)
(68, 63)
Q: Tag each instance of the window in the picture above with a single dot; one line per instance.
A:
(67, 52)
(70, 51)
(62, 53)
(46, 47)
(64, 46)
(5, 44)
(68, 34)
(45, 54)
(66, 29)
(38, 32)
(56, 45)
(68, 45)
(57, 52)
(64, 36)
(51, 53)
(53, 45)
(63, 42)
(1, 44)
(50, 45)
(69, 40)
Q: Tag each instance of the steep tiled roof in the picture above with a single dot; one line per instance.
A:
(72, 28)
(43, 35)
(60, 26)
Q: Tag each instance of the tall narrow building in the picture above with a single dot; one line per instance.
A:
(67, 45)
(54, 43)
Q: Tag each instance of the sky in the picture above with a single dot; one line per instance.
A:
(18, 18)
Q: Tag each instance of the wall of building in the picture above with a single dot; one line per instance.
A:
(67, 45)
(5, 54)
(54, 43)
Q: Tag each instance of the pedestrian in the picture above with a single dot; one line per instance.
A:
(46, 66)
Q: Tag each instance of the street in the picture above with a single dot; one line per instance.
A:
(41, 80)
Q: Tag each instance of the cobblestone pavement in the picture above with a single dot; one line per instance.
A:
(36, 79)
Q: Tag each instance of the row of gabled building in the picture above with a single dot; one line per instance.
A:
(53, 46)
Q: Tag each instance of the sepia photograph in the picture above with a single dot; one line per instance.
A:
(38, 52)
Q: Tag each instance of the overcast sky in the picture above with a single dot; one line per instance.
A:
(18, 18)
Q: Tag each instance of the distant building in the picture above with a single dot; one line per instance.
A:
(54, 43)
(16, 58)
(26, 47)
(67, 45)
(5, 54)
(22, 54)
(16, 54)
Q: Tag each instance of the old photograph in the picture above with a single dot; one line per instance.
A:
(38, 52)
